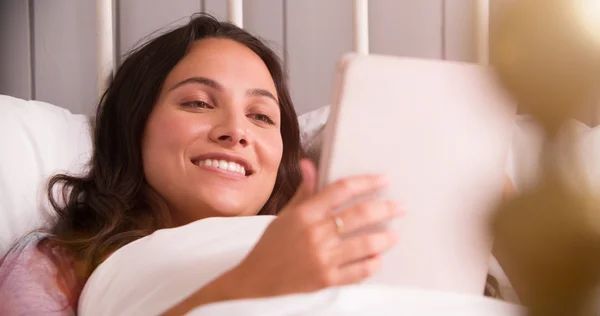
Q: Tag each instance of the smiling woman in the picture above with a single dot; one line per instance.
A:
(198, 123)
(217, 114)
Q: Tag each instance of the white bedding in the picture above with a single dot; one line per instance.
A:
(148, 276)
(365, 300)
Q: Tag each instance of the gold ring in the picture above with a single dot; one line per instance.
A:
(339, 224)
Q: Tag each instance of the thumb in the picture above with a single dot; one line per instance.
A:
(308, 184)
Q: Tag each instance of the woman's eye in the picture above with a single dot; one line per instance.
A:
(197, 104)
(263, 118)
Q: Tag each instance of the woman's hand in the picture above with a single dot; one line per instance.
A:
(303, 250)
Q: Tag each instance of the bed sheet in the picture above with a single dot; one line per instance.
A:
(365, 300)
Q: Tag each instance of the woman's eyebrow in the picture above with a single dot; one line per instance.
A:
(198, 80)
(261, 93)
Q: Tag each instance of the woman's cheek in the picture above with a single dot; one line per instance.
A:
(271, 148)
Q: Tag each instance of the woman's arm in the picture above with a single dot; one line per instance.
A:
(224, 288)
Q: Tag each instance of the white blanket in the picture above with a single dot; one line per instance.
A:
(365, 300)
(152, 274)
(148, 276)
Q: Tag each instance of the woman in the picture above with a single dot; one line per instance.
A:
(198, 123)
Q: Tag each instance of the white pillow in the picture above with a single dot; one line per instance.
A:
(523, 166)
(312, 125)
(37, 140)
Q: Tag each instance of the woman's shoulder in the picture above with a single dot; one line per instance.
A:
(24, 256)
(29, 282)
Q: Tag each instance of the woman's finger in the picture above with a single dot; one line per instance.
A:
(343, 192)
(363, 215)
(360, 247)
(308, 184)
(358, 271)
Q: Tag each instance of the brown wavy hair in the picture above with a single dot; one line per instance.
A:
(112, 204)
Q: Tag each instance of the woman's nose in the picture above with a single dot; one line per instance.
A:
(230, 131)
(233, 138)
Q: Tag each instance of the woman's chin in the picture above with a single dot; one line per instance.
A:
(228, 202)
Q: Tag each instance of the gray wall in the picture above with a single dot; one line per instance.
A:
(15, 47)
(48, 48)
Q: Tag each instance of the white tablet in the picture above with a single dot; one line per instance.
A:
(441, 131)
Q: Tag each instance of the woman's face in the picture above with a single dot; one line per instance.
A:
(212, 145)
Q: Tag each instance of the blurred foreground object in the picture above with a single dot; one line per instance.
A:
(547, 55)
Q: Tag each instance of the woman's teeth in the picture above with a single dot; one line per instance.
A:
(222, 164)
